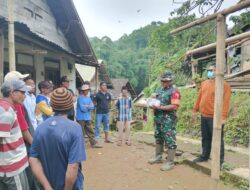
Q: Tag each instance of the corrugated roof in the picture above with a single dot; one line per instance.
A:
(64, 30)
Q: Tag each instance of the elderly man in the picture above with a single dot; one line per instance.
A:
(165, 121)
(58, 148)
(205, 104)
(20, 109)
(13, 153)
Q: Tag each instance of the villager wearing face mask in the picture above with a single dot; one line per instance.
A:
(205, 104)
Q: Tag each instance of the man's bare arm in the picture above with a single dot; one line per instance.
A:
(37, 170)
(71, 175)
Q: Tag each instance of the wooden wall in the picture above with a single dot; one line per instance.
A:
(36, 14)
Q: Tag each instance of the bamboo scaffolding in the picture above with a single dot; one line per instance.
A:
(224, 12)
(213, 45)
(219, 80)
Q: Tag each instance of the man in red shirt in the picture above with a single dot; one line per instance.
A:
(13, 153)
(205, 104)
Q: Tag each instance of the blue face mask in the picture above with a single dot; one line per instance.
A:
(210, 74)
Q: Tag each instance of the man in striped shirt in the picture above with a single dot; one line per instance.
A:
(13, 153)
(124, 108)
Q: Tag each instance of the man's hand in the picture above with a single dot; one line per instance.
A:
(154, 107)
(194, 118)
(194, 115)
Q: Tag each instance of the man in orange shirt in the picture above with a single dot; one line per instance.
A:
(205, 104)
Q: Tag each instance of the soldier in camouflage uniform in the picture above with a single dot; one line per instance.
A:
(165, 121)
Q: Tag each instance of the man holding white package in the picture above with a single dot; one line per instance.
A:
(165, 121)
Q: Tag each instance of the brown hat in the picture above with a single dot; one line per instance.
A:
(61, 99)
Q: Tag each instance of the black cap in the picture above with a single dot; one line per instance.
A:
(45, 84)
(64, 79)
(167, 76)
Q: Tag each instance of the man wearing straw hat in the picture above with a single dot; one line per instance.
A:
(83, 115)
(58, 148)
(165, 121)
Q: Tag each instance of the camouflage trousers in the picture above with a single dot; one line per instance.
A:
(165, 131)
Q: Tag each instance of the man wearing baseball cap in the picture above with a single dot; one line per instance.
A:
(22, 116)
(58, 148)
(43, 108)
(165, 121)
(13, 153)
(15, 75)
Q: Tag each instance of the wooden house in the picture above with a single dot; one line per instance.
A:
(88, 73)
(118, 84)
(49, 39)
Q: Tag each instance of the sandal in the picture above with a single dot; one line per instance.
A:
(119, 144)
(108, 141)
(128, 143)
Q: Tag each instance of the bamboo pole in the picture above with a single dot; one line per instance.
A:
(193, 71)
(213, 45)
(1, 58)
(218, 103)
(11, 37)
(96, 79)
(206, 57)
(224, 12)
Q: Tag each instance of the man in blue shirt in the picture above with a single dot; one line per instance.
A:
(58, 148)
(102, 101)
(83, 115)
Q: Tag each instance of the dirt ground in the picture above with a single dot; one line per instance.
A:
(126, 168)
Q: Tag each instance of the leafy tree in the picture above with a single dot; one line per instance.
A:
(240, 22)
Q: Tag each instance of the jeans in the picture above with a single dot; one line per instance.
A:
(101, 118)
(206, 134)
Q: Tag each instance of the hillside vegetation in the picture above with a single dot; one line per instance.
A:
(148, 51)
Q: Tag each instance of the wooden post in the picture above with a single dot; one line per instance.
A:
(193, 71)
(1, 57)
(11, 37)
(96, 79)
(218, 103)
